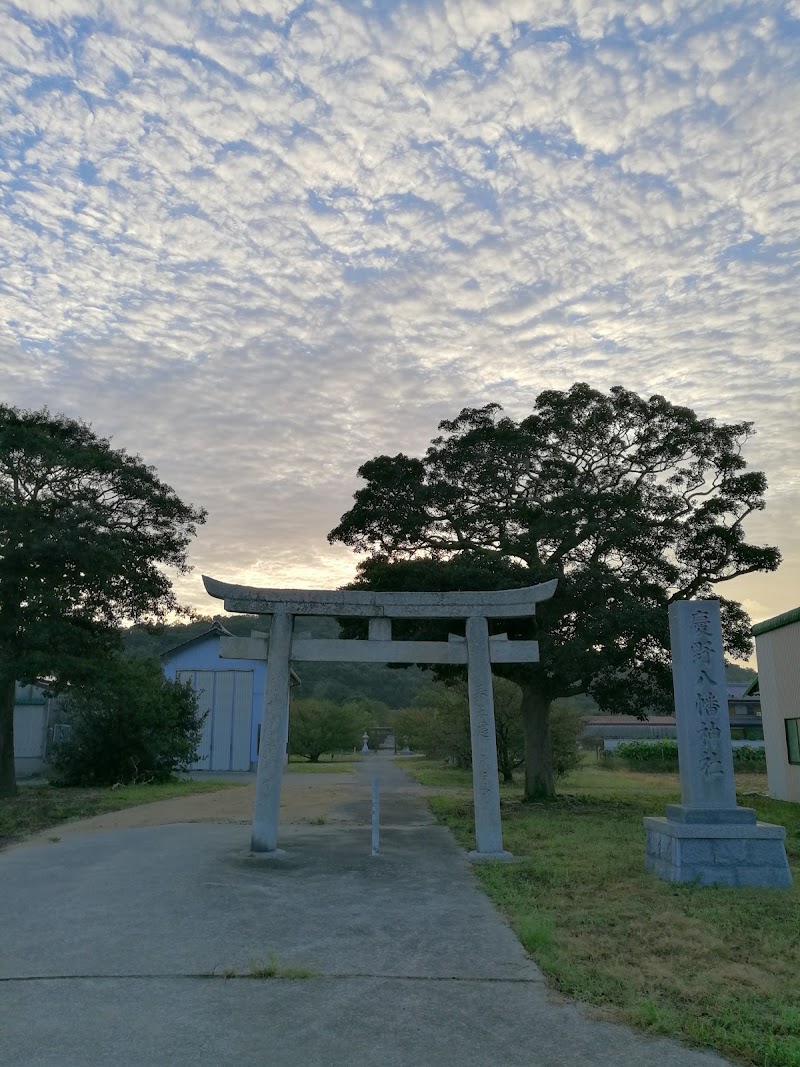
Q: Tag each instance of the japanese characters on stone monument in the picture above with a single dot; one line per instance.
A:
(478, 650)
(707, 837)
(701, 705)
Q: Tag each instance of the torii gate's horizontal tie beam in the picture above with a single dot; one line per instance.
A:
(322, 650)
(497, 604)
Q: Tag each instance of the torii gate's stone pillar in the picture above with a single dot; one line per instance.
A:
(485, 783)
(274, 731)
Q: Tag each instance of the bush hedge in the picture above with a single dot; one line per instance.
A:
(661, 756)
(440, 728)
(129, 724)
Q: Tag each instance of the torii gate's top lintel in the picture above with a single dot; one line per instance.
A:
(493, 604)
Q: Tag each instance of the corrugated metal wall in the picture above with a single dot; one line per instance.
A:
(778, 654)
(30, 722)
(227, 696)
(242, 715)
(30, 732)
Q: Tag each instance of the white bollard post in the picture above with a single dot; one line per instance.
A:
(485, 783)
(376, 815)
(274, 730)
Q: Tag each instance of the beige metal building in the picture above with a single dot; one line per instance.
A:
(778, 653)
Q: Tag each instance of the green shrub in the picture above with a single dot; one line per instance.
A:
(567, 724)
(749, 759)
(128, 724)
(655, 756)
(439, 723)
(317, 726)
(441, 729)
(412, 724)
(661, 756)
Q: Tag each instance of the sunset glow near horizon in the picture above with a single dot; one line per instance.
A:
(259, 243)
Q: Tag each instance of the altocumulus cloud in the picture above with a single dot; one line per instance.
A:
(262, 242)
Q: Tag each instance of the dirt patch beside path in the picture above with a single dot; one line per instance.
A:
(304, 799)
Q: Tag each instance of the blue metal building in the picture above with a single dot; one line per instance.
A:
(231, 691)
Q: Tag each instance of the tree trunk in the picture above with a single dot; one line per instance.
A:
(8, 776)
(539, 779)
(504, 761)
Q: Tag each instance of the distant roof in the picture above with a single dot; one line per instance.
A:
(752, 689)
(777, 622)
(737, 689)
(630, 720)
(216, 629)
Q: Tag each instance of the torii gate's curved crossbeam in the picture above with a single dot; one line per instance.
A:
(494, 604)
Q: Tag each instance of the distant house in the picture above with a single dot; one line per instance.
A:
(778, 654)
(613, 729)
(744, 711)
(232, 694)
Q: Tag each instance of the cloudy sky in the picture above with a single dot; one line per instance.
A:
(260, 242)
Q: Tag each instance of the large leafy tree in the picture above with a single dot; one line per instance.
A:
(85, 534)
(318, 726)
(629, 502)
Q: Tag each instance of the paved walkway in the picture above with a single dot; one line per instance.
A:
(115, 944)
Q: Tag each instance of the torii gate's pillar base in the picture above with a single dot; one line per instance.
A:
(494, 857)
(275, 854)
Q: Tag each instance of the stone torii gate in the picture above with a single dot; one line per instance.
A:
(477, 650)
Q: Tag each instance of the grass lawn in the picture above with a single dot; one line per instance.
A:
(714, 967)
(321, 768)
(35, 807)
(340, 764)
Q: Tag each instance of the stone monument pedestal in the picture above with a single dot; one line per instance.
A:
(725, 847)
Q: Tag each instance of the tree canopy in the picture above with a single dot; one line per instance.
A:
(630, 502)
(318, 726)
(87, 533)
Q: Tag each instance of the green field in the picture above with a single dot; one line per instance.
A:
(713, 967)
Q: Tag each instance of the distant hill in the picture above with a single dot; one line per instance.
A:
(735, 672)
(338, 682)
(152, 641)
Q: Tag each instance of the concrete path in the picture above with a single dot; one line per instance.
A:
(115, 944)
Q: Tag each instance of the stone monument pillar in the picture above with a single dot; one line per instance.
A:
(707, 838)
